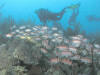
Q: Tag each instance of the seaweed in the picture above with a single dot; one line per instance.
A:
(58, 25)
(27, 22)
(94, 36)
(6, 25)
(68, 32)
(74, 30)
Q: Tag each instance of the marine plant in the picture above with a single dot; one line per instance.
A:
(6, 25)
(68, 32)
(97, 37)
(94, 36)
(29, 21)
(74, 30)
(58, 25)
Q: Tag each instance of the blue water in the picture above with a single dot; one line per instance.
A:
(24, 9)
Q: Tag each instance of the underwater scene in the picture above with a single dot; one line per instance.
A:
(49, 37)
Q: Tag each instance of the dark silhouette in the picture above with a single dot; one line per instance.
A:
(74, 30)
(92, 18)
(73, 17)
(45, 15)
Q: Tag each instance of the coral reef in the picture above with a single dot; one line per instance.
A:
(45, 51)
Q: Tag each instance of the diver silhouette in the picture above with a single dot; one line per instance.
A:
(73, 17)
(45, 15)
(75, 13)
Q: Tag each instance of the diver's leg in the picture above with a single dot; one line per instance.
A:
(72, 18)
(77, 11)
